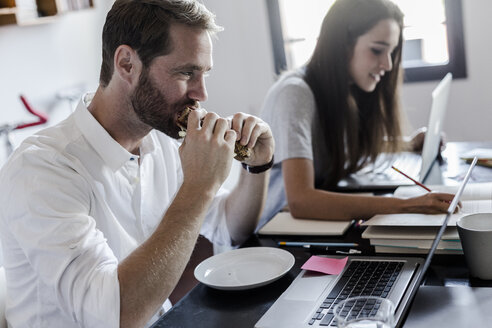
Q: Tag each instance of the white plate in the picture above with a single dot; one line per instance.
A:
(244, 268)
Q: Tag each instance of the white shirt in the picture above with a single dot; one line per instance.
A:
(73, 203)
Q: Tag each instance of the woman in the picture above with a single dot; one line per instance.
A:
(336, 114)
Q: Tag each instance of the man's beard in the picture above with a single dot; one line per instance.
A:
(153, 109)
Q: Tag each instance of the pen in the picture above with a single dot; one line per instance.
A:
(309, 244)
(415, 181)
(320, 249)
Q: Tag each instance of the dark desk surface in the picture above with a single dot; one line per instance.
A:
(455, 307)
(207, 307)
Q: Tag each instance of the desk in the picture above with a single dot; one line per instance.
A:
(451, 307)
(207, 307)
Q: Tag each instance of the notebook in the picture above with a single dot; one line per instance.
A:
(380, 175)
(309, 300)
(284, 224)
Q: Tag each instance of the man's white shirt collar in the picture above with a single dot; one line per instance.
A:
(112, 153)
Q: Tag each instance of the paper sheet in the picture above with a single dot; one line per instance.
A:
(473, 191)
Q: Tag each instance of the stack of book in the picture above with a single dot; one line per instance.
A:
(416, 240)
(414, 233)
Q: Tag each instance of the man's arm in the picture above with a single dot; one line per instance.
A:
(150, 273)
(245, 204)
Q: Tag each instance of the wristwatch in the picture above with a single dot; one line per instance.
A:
(258, 169)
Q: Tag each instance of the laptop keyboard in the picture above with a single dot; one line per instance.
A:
(407, 162)
(361, 278)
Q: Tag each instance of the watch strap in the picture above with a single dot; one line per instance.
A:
(258, 169)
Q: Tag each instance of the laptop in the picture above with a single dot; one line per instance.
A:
(309, 300)
(380, 175)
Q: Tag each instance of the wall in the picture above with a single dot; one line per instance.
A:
(470, 111)
(39, 61)
(46, 60)
(42, 61)
(243, 63)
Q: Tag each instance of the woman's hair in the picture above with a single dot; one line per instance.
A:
(144, 25)
(356, 125)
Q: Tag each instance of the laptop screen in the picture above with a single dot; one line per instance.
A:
(432, 139)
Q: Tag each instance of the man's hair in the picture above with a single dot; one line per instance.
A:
(354, 122)
(144, 26)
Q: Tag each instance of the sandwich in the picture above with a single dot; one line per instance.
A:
(240, 152)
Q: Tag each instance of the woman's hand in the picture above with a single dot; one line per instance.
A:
(430, 203)
(416, 140)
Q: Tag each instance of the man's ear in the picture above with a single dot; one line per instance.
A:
(127, 64)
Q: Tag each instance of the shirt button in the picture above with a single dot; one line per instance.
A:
(132, 158)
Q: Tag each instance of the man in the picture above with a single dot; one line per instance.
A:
(99, 214)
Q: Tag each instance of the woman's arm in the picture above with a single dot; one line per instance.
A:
(305, 201)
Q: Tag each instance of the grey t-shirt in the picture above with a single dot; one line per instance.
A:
(290, 110)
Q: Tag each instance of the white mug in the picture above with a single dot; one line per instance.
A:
(475, 232)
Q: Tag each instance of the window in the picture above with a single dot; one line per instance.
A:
(433, 37)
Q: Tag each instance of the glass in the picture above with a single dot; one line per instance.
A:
(365, 312)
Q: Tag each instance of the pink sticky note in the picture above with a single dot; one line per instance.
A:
(325, 264)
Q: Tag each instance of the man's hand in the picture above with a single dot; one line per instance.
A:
(252, 132)
(207, 150)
